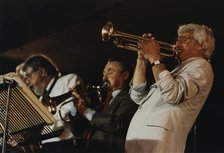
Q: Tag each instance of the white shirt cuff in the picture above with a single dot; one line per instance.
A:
(89, 113)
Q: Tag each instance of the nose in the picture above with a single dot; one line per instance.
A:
(177, 43)
(105, 77)
(27, 81)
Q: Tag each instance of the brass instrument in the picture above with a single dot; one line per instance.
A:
(92, 95)
(99, 91)
(130, 42)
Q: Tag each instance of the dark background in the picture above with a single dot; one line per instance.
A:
(69, 31)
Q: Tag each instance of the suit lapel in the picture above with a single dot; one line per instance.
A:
(115, 100)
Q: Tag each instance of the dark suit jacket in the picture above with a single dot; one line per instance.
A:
(109, 128)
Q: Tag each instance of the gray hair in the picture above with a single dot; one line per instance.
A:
(36, 61)
(203, 34)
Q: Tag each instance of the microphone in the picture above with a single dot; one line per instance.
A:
(105, 85)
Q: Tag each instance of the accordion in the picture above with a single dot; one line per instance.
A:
(25, 117)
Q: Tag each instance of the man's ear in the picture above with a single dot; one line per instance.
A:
(42, 72)
(201, 46)
(126, 75)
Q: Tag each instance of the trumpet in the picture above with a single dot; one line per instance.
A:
(130, 42)
(93, 96)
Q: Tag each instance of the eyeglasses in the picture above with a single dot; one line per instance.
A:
(184, 39)
(29, 73)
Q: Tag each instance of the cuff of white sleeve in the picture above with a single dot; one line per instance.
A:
(89, 113)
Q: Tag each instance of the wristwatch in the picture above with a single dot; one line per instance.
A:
(156, 62)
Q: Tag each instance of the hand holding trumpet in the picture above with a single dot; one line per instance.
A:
(149, 48)
(79, 102)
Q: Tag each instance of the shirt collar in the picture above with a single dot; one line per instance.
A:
(116, 92)
(50, 83)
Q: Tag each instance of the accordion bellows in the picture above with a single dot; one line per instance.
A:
(25, 111)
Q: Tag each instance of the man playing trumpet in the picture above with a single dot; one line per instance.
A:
(107, 128)
(169, 109)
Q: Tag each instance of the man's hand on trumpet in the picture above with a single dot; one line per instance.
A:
(150, 49)
(79, 102)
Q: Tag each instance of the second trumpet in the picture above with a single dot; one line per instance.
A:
(130, 42)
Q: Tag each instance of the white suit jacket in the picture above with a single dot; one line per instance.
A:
(168, 111)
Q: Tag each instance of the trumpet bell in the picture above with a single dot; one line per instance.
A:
(107, 31)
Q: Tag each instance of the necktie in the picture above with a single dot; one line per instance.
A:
(107, 101)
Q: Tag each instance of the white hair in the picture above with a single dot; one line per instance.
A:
(203, 34)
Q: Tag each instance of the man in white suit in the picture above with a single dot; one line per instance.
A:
(169, 109)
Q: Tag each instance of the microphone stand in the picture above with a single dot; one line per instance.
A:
(5, 133)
